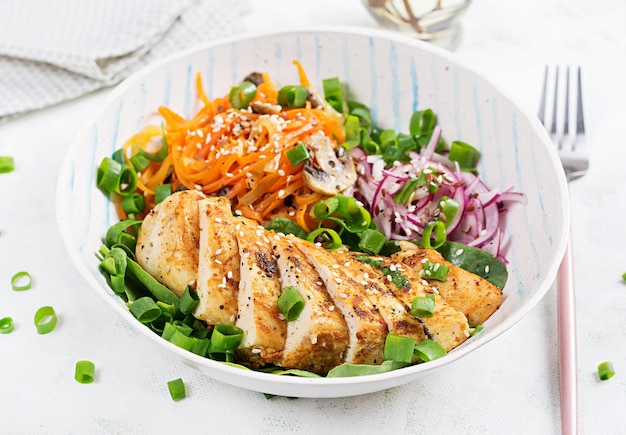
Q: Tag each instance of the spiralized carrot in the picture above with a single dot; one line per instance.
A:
(240, 154)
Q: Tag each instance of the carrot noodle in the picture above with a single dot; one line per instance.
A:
(237, 153)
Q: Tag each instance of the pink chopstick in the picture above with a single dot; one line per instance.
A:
(568, 364)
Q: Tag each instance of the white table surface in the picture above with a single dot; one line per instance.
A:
(508, 386)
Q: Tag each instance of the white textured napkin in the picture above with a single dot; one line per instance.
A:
(55, 50)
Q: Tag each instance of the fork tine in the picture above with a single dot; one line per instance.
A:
(580, 121)
(555, 102)
(542, 104)
(567, 110)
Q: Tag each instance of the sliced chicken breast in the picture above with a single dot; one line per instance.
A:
(447, 326)
(317, 339)
(258, 315)
(217, 281)
(366, 327)
(168, 241)
(474, 296)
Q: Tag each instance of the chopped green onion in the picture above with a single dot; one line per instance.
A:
(241, 96)
(423, 306)
(118, 233)
(606, 370)
(435, 270)
(286, 226)
(333, 93)
(161, 192)
(352, 127)
(290, 303)
(139, 161)
(84, 372)
(226, 336)
(448, 209)
(330, 240)
(292, 97)
(21, 281)
(177, 389)
(188, 300)
(145, 309)
(372, 241)
(325, 208)
(45, 319)
(108, 174)
(182, 340)
(624, 276)
(158, 290)
(429, 350)
(348, 369)
(298, 154)
(6, 325)
(399, 348)
(127, 182)
(118, 155)
(440, 235)
(466, 155)
(133, 203)
(7, 164)
(422, 122)
(477, 329)
(405, 194)
(160, 155)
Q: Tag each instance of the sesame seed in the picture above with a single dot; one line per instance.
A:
(218, 261)
(392, 268)
(228, 174)
(313, 339)
(335, 274)
(487, 269)
(255, 350)
(458, 252)
(424, 282)
(238, 212)
(335, 266)
(229, 275)
(241, 233)
(389, 278)
(347, 264)
(318, 244)
(218, 251)
(366, 275)
(281, 194)
(238, 227)
(281, 172)
(319, 283)
(338, 280)
(331, 308)
(218, 220)
(343, 295)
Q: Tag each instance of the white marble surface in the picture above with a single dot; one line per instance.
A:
(508, 386)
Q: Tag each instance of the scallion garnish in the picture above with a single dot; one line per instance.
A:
(439, 228)
(292, 96)
(176, 389)
(290, 303)
(145, 309)
(466, 155)
(606, 370)
(429, 350)
(423, 306)
(21, 281)
(188, 301)
(45, 319)
(133, 203)
(329, 238)
(84, 372)
(333, 93)
(477, 329)
(7, 164)
(226, 336)
(448, 208)
(399, 348)
(6, 325)
(241, 96)
(435, 270)
(298, 154)
(372, 241)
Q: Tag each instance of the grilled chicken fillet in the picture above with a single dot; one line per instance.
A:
(167, 243)
(317, 339)
(474, 296)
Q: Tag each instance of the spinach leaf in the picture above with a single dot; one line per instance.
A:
(477, 261)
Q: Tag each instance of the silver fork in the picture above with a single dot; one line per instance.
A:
(572, 152)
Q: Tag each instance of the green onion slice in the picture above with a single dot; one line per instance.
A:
(399, 348)
(21, 281)
(606, 370)
(145, 309)
(176, 389)
(298, 154)
(372, 241)
(7, 164)
(423, 306)
(84, 372)
(435, 270)
(6, 325)
(161, 192)
(333, 93)
(448, 209)
(439, 229)
(188, 301)
(241, 96)
(45, 319)
(290, 303)
(330, 240)
(292, 97)
(133, 203)
(466, 155)
(118, 233)
(226, 336)
(429, 350)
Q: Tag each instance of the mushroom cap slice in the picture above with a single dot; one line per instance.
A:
(330, 170)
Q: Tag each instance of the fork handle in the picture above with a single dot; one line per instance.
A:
(568, 365)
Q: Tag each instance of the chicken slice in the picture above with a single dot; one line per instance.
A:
(259, 289)
(317, 339)
(447, 326)
(367, 329)
(167, 243)
(218, 269)
(471, 294)
(378, 289)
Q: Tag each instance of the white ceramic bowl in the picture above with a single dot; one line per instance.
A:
(392, 74)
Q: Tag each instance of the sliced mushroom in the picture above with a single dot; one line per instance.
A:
(254, 77)
(264, 108)
(329, 170)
